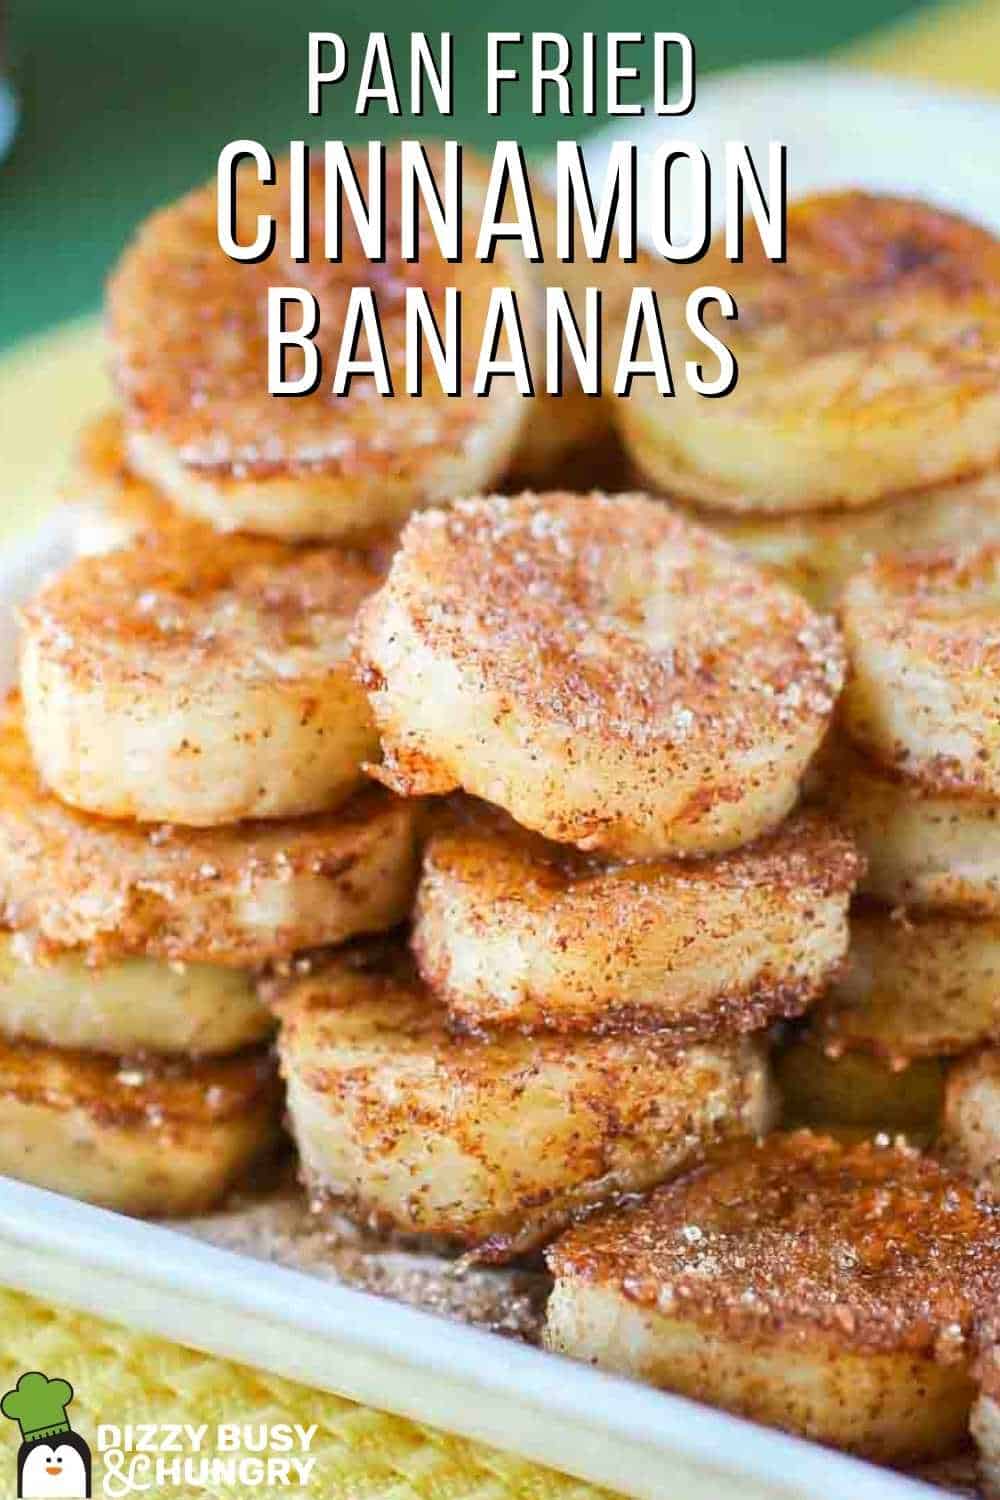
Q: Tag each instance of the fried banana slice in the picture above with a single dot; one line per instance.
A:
(817, 552)
(198, 683)
(610, 675)
(129, 1006)
(188, 327)
(241, 896)
(919, 985)
(513, 931)
(920, 850)
(971, 1127)
(924, 646)
(113, 507)
(157, 1141)
(489, 1145)
(869, 363)
(830, 1290)
(856, 1090)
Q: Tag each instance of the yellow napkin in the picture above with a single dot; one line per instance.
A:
(45, 390)
(122, 1377)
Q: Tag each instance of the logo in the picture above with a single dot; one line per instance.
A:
(148, 1457)
(52, 1459)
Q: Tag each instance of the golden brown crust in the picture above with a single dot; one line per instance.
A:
(924, 686)
(869, 362)
(186, 681)
(942, 601)
(109, 497)
(808, 853)
(170, 597)
(491, 1144)
(115, 506)
(513, 930)
(172, 1099)
(611, 675)
(240, 896)
(870, 1245)
(544, 575)
(817, 552)
(157, 1140)
(856, 257)
(188, 328)
(916, 984)
(940, 853)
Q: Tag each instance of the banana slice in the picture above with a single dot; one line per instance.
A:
(240, 896)
(608, 674)
(869, 363)
(491, 1145)
(920, 850)
(985, 1423)
(826, 1289)
(199, 684)
(922, 695)
(113, 507)
(188, 329)
(513, 931)
(133, 1005)
(156, 1141)
(915, 986)
(971, 1128)
(856, 1090)
(817, 552)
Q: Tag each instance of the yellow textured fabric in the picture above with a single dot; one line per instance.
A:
(121, 1376)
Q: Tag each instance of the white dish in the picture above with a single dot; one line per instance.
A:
(841, 129)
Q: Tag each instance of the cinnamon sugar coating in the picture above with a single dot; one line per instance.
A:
(141, 1138)
(494, 1144)
(188, 681)
(240, 895)
(871, 1245)
(869, 362)
(511, 930)
(611, 675)
(923, 634)
(189, 331)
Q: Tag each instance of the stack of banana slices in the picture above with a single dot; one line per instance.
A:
(182, 800)
(495, 824)
(826, 1286)
(600, 691)
(915, 772)
(181, 805)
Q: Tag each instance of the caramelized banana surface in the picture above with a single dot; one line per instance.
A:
(610, 675)
(832, 1290)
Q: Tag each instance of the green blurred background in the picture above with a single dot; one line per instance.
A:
(126, 102)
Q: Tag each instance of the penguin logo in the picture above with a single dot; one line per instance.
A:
(52, 1459)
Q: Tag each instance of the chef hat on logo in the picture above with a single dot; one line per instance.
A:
(38, 1405)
